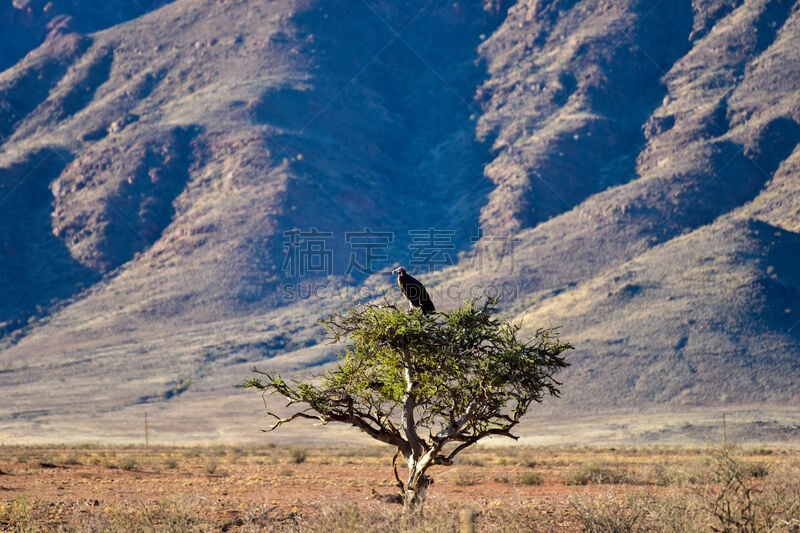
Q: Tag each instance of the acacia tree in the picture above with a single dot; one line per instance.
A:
(429, 385)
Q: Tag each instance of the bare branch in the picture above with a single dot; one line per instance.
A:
(301, 414)
(394, 467)
(475, 438)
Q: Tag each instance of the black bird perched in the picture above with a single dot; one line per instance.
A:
(414, 291)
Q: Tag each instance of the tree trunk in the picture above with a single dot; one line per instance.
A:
(416, 491)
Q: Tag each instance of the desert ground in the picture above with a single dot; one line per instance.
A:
(312, 488)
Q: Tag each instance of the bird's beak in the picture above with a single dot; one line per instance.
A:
(396, 270)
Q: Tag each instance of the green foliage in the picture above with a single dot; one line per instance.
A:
(463, 362)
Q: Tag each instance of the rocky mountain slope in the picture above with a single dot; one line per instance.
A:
(185, 192)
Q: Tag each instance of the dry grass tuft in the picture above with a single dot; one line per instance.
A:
(599, 473)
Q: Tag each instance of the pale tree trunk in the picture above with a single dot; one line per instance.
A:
(414, 498)
(417, 457)
(416, 491)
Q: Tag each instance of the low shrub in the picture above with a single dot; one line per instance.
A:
(466, 478)
(298, 455)
(599, 474)
(529, 478)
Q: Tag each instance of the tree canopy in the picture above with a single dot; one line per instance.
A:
(430, 385)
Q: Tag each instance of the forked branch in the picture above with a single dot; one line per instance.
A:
(283, 420)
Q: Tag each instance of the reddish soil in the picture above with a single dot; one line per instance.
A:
(224, 485)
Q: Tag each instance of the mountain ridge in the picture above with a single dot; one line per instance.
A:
(188, 190)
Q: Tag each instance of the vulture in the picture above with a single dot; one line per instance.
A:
(414, 291)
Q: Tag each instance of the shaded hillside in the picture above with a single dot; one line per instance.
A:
(186, 193)
(571, 85)
(38, 268)
(719, 147)
(28, 23)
